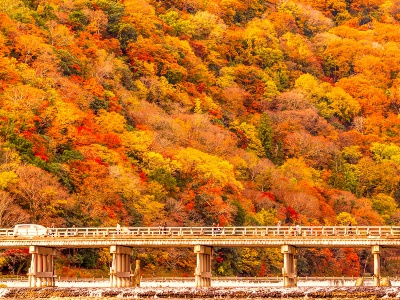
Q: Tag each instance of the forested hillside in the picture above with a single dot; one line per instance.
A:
(196, 112)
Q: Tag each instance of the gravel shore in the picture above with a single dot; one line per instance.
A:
(202, 293)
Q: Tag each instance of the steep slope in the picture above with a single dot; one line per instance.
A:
(199, 112)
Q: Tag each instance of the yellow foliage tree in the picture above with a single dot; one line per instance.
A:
(207, 167)
(23, 98)
(385, 205)
(344, 219)
(141, 15)
(6, 178)
(251, 132)
(249, 261)
(342, 105)
(331, 101)
(127, 183)
(111, 121)
(297, 170)
(151, 210)
(153, 161)
(136, 141)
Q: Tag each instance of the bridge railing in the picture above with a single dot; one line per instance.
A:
(256, 231)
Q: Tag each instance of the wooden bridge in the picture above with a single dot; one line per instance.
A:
(121, 241)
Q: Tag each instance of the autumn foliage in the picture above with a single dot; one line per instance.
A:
(199, 112)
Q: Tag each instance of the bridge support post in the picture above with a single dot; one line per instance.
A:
(120, 271)
(376, 251)
(41, 272)
(136, 275)
(289, 265)
(202, 275)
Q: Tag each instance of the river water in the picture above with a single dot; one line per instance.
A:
(232, 290)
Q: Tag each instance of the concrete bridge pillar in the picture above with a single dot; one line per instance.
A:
(120, 271)
(376, 251)
(289, 271)
(202, 275)
(136, 275)
(41, 272)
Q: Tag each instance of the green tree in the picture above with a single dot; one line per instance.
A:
(385, 205)
(126, 34)
(265, 134)
(114, 11)
(345, 176)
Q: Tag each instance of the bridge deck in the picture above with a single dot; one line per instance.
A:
(273, 236)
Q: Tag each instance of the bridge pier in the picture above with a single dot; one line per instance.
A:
(120, 271)
(136, 275)
(202, 275)
(41, 272)
(376, 251)
(289, 265)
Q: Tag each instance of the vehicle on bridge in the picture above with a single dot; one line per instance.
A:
(30, 230)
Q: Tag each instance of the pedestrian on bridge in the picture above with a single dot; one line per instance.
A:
(291, 230)
(165, 227)
(71, 231)
(278, 225)
(51, 231)
(310, 230)
(218, 229)
(118, 228)
(213, 228)
(298, 230)
(350, 230)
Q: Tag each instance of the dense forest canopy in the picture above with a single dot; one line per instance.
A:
(197, 112)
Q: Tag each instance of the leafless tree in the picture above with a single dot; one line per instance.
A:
(10, 213)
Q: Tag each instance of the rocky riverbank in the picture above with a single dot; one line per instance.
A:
(203, 293)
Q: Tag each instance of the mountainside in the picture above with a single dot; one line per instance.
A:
(198, 112)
